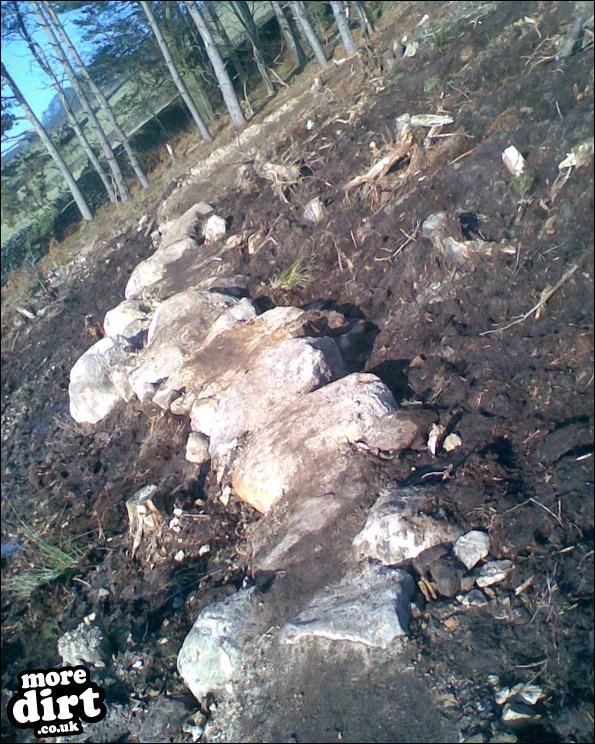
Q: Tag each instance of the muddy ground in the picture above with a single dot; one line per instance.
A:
(521, 398)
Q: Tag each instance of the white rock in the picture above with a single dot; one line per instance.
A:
(127, 319)
(151, 270)
(396, 531)
(203, 415)
(314, 211)
(434, 437)
(411, 49)
(99, 380)
(215, 228)
(185, 226)
(471, 547)
(493, 573)
(197, 448)
(212, 653)
(452, 442)
(282, 372)
(242, 312)
(308, 442)
(372, 608)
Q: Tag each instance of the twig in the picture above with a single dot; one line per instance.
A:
(464, 155)
(547, 294)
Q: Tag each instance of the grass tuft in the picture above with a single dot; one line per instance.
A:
(50, 562)
(297, 274)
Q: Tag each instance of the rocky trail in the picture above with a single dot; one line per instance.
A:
(318, 426)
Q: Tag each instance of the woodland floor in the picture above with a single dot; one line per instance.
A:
(520, 398)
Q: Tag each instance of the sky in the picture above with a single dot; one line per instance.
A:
(34, 85)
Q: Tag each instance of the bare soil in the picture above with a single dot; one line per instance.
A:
(520, 398)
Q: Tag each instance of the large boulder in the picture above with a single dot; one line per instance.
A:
(282, 372)
(177, 328)
(152, 269)
(99, 380)
(313, 436)
(372, 608)
(213, 651)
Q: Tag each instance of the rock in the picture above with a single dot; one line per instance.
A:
(452, 442)
(397, 530)
(518, 715)
(153, 269)
(422, 562)
(197, 448)
(307, 518)
(212, 652)
(475, 598)
(86, 645)
(370, 608)
(203, 415)
(291, 368)
(186, 226)
(314, 211)
(179, 326)
(163, 721)
(214, 229)
(447, 573)
(493, 573)
(243, 312)
(99, 380)
(127, 319)
(411, 49)
(310, 441)
(471, 547)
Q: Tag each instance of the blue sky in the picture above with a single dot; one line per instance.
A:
(34, 85)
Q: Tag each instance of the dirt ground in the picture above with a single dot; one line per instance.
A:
(520, 397)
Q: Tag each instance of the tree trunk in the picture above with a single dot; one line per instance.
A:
(363, 18)
(343, 26)
(288, 34)
(173, 71)
(301, 17)
(225, 85)
(212, 16)
(43, 136)
(101, 99)
(44, 63)
(84, 101)
(242, 12)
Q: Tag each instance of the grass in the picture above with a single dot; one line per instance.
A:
(50, 562)
(297, 274)
(522, 184)
(431, 83)
(442, 39)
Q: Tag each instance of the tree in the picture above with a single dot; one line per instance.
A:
(242, 13)
(44, 64)
(96, 128)
(43, 136)
(202, 127)
(290, 37)
(363, 18)
(343, 26)
(101, 99)
(210, 13)
(225, 85)
(299, 13)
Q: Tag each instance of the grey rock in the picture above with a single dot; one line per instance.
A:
(99, 380)
(197, 448)
(422, 562)
(397, 530)
(213, 651)
(471, 547)
(127, 319)
(447, 573)
(150, 271)
(493, 573)
(86, 644)
(370, 608)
